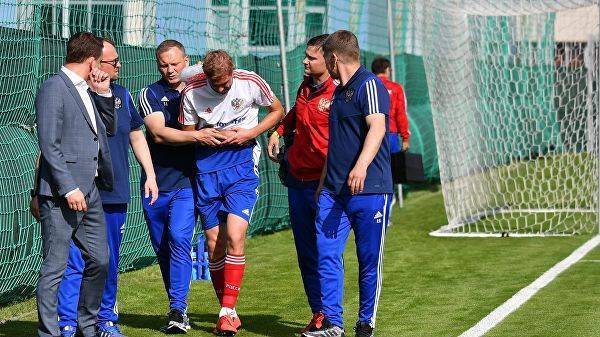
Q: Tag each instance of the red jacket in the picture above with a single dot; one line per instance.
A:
(398, 118)
(310, 119)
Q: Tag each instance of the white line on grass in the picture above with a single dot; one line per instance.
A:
(512, 304)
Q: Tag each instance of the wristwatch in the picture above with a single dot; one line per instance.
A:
(274, 131)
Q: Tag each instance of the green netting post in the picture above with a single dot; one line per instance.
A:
(391, 39)
(283, 57)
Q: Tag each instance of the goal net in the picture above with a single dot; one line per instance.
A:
(514, 93)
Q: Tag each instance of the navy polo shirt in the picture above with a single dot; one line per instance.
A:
(363, 95)
(174, 165)
(127, 120)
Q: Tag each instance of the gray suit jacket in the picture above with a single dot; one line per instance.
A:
(68, 142)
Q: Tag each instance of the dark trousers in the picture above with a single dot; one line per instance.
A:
(60, 224)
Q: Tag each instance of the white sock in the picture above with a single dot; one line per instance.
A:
(227, 311)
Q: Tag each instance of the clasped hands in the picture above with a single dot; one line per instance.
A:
(231, 137)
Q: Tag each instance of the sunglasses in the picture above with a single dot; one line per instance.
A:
(113, 63)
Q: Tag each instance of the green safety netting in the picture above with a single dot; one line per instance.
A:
(20, 235)
(33, 35)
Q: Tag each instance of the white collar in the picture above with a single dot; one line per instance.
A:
(76, 79)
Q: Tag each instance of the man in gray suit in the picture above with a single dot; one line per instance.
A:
(75, 161)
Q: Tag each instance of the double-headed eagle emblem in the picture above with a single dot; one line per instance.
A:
(237, 103)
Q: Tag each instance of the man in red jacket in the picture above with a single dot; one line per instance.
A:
(398, 119)
(308, 122)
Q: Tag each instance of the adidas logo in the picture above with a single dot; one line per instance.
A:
(378, 215)
(246, 211)
(208, 110)
(165, 100)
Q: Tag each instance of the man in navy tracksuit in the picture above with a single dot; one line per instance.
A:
(171, 220)
(355, 190)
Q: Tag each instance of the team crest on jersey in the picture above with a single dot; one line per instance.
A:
(324, 104)
(349, 94)
(118, 103)
(237, 103)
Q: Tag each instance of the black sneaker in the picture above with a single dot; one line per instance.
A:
(363, 330)
(326, 330)
(178, 323)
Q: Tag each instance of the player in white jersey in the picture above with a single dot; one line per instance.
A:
(226, 101)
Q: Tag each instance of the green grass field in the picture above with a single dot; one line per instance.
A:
(432, 286)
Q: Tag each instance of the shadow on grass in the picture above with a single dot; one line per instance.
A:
(259, 324)
(18, 329)
(266, 325)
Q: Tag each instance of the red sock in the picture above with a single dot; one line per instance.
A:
(217, 269)
(234, 273)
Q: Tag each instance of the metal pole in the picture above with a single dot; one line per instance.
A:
(400, 196)
(390, 23)
(326, 20)
(284, 75)
(65, 20)
(89, 15)
(596, 115)
(54, 17)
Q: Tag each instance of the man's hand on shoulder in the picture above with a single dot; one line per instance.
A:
(99, 81)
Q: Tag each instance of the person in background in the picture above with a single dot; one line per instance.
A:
(398, 116)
